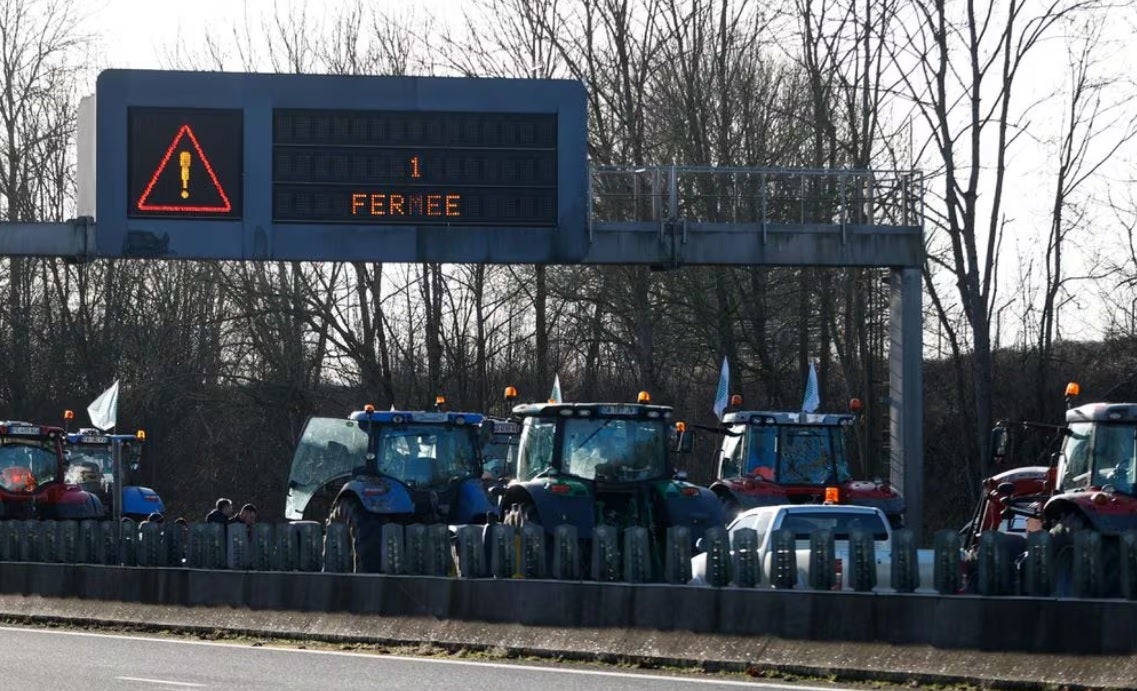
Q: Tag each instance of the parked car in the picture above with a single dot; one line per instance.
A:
(804, 520)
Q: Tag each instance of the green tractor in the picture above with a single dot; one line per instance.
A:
(593, 464)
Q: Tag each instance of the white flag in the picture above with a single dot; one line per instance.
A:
(722, 394)
(104, 409)
(555, 396)
(812, 398)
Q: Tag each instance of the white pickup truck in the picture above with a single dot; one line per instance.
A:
(803, 520)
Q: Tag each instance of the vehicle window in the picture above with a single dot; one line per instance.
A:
(743, 521)
(1115, 449)
(425, 455)
(762, 452)
(1077, 455)
(536, 454)
(614, 449)
(732, 454)
(805, 455)
(499, 456)
(88, 464)
(328, 448)
(25, 465)
(804, 523)
(762, 526)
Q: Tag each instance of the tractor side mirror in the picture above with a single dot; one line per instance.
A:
(685, 443)
(999, 444)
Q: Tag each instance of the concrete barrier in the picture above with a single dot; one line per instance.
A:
(1097, 627)
(1001, 565)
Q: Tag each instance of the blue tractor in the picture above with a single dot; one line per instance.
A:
(388, 467)
(591, 464)
(89, 457)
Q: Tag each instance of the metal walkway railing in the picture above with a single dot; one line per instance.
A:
(754, 196)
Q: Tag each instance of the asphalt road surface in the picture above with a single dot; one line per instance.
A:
(59, 659)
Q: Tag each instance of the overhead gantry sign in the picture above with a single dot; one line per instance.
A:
(197, 165)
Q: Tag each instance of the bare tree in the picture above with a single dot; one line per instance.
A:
(960, 70)
(1097, 125)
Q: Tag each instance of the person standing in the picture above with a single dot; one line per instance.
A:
(221, 513)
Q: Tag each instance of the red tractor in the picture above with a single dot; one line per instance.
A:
(1090, 483)
(769, 458)
(32, 472)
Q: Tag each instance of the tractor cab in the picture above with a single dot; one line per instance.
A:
(590, 464)
(1095, 474)
(1090, 482)
(773, 457)
(89, 455)
(410, 466)
(33, 482)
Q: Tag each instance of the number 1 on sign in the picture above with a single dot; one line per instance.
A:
(415, 172)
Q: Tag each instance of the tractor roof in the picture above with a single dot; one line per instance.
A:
(16, 428)
(94, 436)
(400, 417)
(1103, 412)
(765, 417)
(596, 410)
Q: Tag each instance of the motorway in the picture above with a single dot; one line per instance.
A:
(63, 659)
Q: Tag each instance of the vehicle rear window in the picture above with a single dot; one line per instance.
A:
(804, 523)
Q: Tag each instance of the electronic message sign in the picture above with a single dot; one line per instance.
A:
(319, 167)
(448, 168)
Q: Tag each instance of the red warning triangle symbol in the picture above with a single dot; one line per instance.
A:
(173, 188)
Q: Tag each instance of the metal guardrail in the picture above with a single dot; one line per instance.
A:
(1080, 566)
(755, 196)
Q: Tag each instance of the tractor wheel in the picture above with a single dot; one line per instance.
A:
(364, 531)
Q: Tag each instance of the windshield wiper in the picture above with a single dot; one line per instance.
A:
(594, 433)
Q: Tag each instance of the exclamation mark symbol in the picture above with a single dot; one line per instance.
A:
(184, 161)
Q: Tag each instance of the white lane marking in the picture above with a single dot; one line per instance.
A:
(431, 660)
(160, 681)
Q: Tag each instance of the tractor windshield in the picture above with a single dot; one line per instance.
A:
(797, 454)
(499, 456)
(1115, 453)
(95, 463)
(615, 450)
(27, 464)
(426, 455)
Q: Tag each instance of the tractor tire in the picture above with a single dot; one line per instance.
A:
(365, 534)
